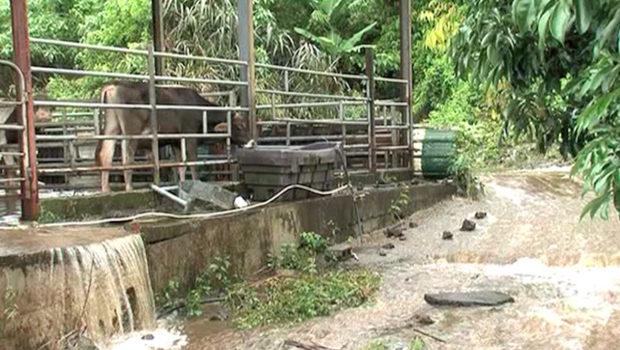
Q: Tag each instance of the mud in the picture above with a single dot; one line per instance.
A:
(563, 273)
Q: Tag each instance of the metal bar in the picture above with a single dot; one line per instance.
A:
(344, 127)
(317, 121)
(391, 80)
(158, 34)
(405, 69)
(288, 133)
(205, 122)
(167, 194)
(133, 106)
(87, 73)
(390, 103)
(87, 46)
(20, 179)
(21, 52)
(10, 103)
(245, 31)
(201, 58)
(65, 170)
(273, 106)
(312, 104)
(199, 80)
(313, 72)
(300, 94)
(312, 138)
(11, 127)
(393, 148)
(151, 66)
(129, 137)
(12, 154)
(286, 81)
(370, 72)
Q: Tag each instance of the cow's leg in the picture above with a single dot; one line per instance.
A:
(129, 150)
(178, 158)
(192, 156)
(106, 152)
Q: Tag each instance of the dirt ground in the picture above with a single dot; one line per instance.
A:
(563, 274)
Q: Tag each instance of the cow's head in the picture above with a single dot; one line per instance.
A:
(42, 114)
(240, 131)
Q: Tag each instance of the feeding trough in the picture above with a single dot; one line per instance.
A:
(269, 169)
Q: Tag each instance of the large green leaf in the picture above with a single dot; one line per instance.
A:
(560, 20)
(583, 14)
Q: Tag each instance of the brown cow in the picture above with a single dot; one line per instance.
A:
(137, 122)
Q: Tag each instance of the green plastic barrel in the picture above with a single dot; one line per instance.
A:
(434, 151)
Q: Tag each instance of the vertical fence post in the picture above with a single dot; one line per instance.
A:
(153, 118)
(28, 167)
(234, 167)
(286, 81)
(344, 126)
(158, 34)
(405, 71)
(370, 73)
(246, 51)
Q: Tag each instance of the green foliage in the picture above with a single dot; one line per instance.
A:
(570, 49)
(217, 278)
(301, 257)
(399, 205)
(312, 242)
(285, 300)
(416, 344)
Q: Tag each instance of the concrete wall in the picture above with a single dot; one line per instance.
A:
(185, 248)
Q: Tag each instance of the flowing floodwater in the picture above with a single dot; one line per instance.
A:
(563, 273)
(98, 290)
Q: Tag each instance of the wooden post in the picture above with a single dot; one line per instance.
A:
(158, 34)
(246, 52)
(21, 56)
(370, 73)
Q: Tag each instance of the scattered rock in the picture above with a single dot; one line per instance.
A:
(148, 337)
(423, 319)
(360, 186)
(340, 252)
(415, 182)
(481, 215)
(402, 238)
(480, 298)
(83, 343)
(413, 225)
(388, 246)
(468, 225)
(447, 235)
(394, 231)
(382, 252)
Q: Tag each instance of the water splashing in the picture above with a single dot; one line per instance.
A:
(97, 290)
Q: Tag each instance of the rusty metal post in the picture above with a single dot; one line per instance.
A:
(405, 73)
(370, 73)
(158, 34)
(246, 52)
(21, 52)
(153, 118)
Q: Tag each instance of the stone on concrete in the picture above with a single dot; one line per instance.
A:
(340, 252)
(402, 238)
(148, 337)
(413, 225)
(423, 319)
(447, 235)
(468, 299)
(388, 246)
(394, 230)
(382, 252)
(468, 225)
(481, 215)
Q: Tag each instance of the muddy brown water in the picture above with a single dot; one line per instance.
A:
(563, 273)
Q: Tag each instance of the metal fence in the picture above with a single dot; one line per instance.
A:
(378, 139)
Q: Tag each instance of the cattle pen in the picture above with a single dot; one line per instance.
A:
(377, 135)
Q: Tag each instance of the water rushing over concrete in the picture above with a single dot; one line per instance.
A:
(99, 289)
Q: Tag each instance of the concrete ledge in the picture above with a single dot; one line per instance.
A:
(185, 248)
